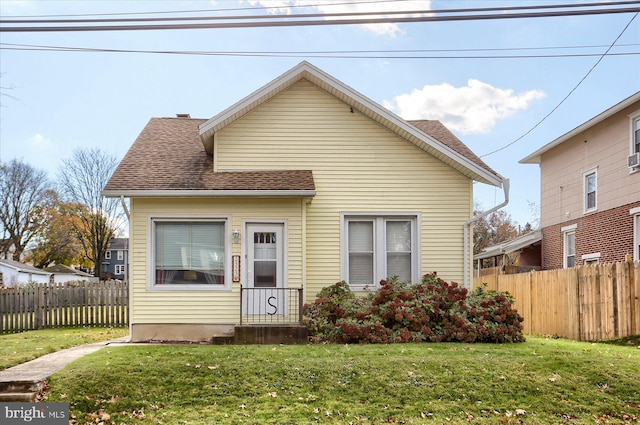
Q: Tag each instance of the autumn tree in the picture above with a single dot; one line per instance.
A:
(492, 229)
(59, 242)
(26, 195)
(97, 219)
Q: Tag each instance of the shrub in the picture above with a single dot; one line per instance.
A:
(433, 310)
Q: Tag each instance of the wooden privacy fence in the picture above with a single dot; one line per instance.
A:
(587, 303)
(64, 305)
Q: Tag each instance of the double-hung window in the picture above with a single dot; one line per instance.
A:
(119, 269)
(120, 255)
(107, 255)
(189, 253)
(635, 134)
(379, 247)
(590, 190)
(569, 246)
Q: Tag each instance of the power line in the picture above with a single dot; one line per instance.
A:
(320, 15)
(346, 54)
(568, 94)
(294, 20)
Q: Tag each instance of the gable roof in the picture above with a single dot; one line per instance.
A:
(62, 269)
(168, 159)
(454, 154)
(24, 268)
(534, 158)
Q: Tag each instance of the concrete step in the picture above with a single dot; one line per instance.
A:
(28, 386)
(18, 397)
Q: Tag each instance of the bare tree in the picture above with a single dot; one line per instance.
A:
(81, 179)
(26, 194)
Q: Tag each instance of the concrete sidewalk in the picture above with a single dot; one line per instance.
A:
(24, 381)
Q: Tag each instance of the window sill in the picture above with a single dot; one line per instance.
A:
(188, 288)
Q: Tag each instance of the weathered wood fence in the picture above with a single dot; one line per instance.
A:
(64, 305)
(586, 303)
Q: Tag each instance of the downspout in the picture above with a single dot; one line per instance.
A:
(124, 207)
(505, 187)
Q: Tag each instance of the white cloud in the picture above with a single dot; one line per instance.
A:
(389, 29)
(472, 109)
(38, 142)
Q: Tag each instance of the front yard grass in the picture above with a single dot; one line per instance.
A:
(21, 347)
(541, 381)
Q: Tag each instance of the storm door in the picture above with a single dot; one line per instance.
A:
(265, 270)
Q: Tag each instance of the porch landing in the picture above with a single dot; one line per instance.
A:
(265, 334)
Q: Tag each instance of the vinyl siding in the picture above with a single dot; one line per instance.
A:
(604, 147)
(358, 166)
(211, 306)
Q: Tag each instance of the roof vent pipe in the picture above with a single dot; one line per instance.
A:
(505, 187)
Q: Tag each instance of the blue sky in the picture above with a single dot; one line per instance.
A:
(56, 101)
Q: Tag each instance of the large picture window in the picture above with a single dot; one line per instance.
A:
(189, 252)
(380, 247)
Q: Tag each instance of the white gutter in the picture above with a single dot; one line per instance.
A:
(505, 187)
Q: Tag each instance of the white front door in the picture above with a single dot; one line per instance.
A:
(265, 270)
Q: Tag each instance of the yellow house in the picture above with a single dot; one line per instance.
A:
(241, 218)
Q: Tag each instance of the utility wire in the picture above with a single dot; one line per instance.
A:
(318, 15)
(293, 20)
(347, 54)
(568, 94)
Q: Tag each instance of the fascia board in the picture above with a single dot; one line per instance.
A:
(534, 158)
(159, 193)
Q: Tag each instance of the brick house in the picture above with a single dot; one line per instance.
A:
(590, 189)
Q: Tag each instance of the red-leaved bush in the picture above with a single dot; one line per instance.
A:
(433, 310)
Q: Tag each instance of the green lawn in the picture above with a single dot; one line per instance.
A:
(538, 382)
(21, 347)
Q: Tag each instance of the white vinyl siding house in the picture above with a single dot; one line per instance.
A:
(301, 184)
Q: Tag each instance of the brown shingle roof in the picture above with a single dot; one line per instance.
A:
(438, 131)
(169, 155)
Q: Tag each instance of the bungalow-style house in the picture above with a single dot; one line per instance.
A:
(114, 265)
(63, 274)
(303, 183)
(590, 189)
(15, 274)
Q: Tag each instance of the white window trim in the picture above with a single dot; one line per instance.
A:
(379, 259)
(120, 255)
(566, 230)
(633, 118)
(585, 201)
(635, 213)
(107, 255)
(121, 267)
(151, 275)
(591, 258)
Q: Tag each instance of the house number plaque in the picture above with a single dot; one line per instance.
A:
(236, 268)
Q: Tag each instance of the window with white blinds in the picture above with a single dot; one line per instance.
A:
(379, 247)
(189, 252)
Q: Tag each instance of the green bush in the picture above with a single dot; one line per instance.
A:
(433, 310)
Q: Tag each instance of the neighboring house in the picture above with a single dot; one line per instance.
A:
(15, 274)
(590, 189)
(7, 249)
(63, 274)
(114, 265)
(524, 251)
(303, 183)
